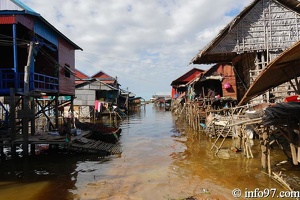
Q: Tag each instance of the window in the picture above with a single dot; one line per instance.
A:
(67, 71)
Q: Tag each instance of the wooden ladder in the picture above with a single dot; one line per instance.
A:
(224, 133)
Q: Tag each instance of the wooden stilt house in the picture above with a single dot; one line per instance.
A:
(95, 95)
(261, 32)
(36, 60)
(180, 87)
(53, 54)
(220, 79)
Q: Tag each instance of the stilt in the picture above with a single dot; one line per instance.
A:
(32, 128)
(294, 154)
(298, 155)
(298, 148)
(263, 146)
(12, 121)
(269, 160)
(56, 111)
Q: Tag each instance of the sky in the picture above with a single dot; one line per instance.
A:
(146, 44)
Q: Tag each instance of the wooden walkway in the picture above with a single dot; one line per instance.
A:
(78, 143)
(85, 145)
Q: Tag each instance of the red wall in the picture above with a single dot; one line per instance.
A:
(229, 76)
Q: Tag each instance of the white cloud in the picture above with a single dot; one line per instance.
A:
(146, 44)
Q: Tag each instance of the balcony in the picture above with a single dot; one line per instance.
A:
(38, 82)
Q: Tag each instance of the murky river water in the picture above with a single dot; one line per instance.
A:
(161, 159)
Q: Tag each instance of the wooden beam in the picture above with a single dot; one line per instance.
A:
(44, 112)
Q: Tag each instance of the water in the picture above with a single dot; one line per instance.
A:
(161, 159)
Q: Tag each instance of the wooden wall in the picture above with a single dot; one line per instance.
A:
(229, 77)
(66, 57)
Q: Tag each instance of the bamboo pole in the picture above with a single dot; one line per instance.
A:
(269, 160)
(294, 154)
(298, 155)
(263, 147)
(298, 146)
(292, 146)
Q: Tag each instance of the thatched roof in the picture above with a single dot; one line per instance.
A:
(209, 54)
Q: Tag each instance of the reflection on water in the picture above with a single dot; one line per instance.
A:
(161, 159)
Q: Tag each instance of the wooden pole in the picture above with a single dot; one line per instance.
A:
(26, 100)
(56, 111)
(264, 137)
(127, 100)
(32, 130)
(68, 136)
(269, 160)
(298, 147)
(294, 154)
(292, 146)
(12, 120)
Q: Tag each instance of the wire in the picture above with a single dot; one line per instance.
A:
(126, 60)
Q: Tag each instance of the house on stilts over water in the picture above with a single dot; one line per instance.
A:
(261, 32)
(257, 52)
(97, 96)
(36, 78)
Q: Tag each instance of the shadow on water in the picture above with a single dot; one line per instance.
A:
(161, 159)
(48, 176)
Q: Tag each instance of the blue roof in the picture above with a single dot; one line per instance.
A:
(23, 9)
(26, 8)
(18, 8)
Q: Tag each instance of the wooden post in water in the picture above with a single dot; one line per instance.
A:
(32, 130)
(298, 158)
(127, 100)
(25, 106)
(298, 149)
(263, 143)
(292, 146)
(12, 121)
(56, 111)
(68, 136)
(269, 159)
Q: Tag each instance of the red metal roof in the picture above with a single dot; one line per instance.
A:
(7, 20)
(80, 75)
(101, 75)
(187, 77)
(105, 78)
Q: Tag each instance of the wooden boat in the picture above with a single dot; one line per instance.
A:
(100, 131)
(168, 104)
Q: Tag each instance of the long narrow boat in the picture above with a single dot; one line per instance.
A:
(100, 131)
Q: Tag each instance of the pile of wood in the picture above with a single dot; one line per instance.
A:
(284, 118)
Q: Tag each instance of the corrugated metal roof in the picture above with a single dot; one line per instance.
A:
(9, 5)
(23, 6)
(187, 77)
(16, 7)
(7, 20)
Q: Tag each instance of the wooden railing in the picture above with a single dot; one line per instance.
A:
(39, 82)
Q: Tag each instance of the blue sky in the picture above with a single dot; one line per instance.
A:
(146, 44)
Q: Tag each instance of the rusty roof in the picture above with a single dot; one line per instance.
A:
(187, 77)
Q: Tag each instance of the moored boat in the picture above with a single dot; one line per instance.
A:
(100, 131)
